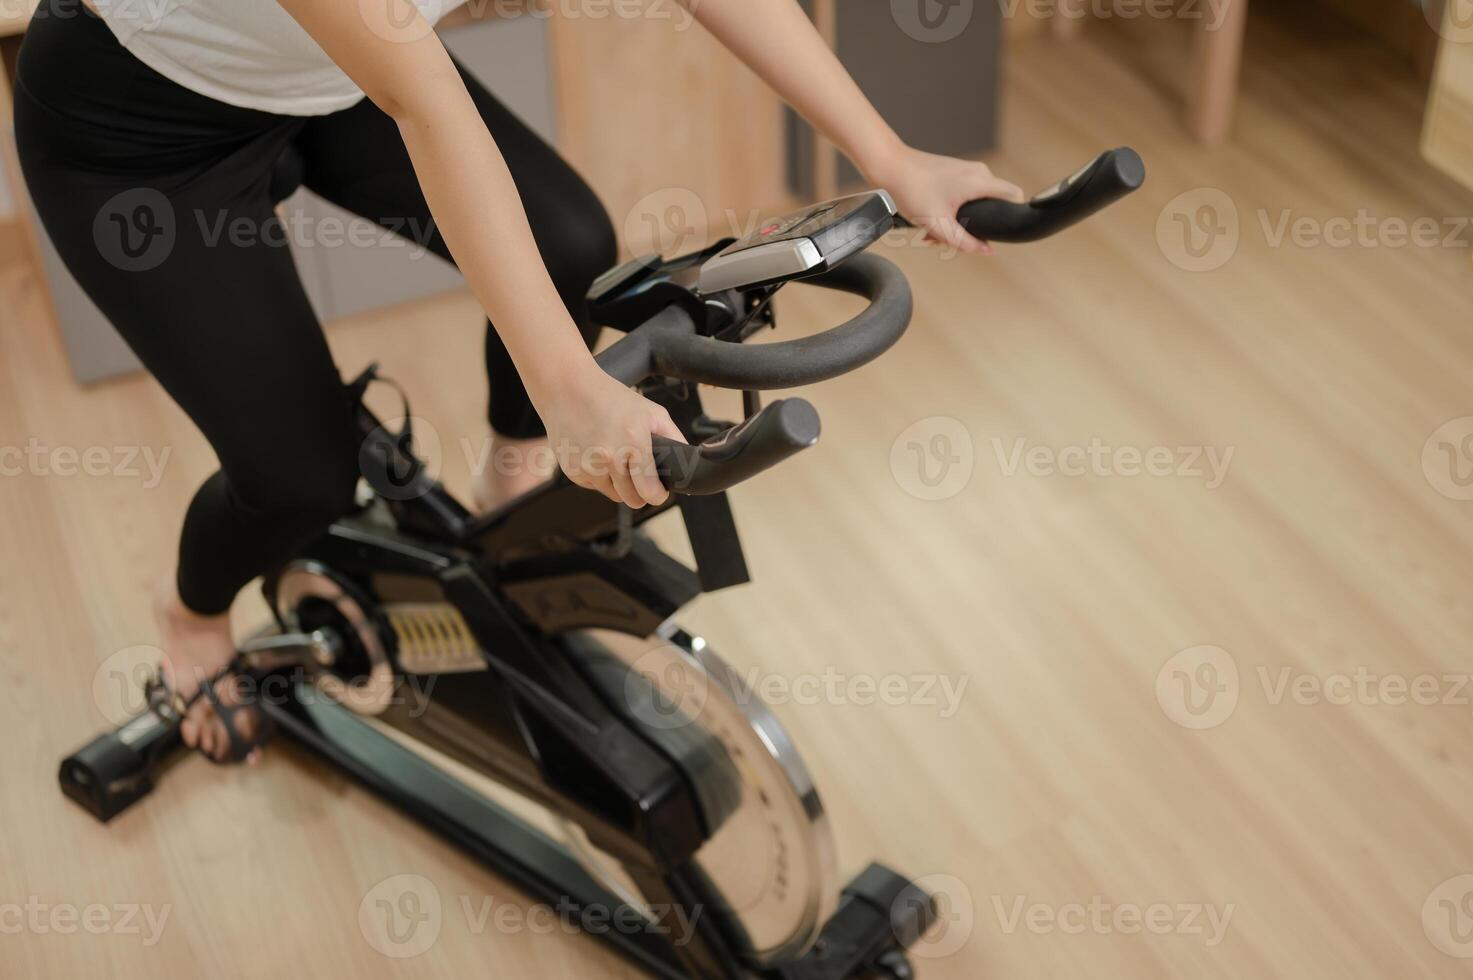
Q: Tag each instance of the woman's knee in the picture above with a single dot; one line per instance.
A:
(307, 490)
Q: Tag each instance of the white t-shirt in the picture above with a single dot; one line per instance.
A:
(249, 53)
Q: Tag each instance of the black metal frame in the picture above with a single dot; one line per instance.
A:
(546, 723)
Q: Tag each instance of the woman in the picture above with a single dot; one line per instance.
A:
(147, 128)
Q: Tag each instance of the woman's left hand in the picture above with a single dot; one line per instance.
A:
(929, 190)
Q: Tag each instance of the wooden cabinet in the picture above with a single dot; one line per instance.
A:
(678, 138)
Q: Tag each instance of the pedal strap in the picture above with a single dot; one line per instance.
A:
(230, 716)
(358, 390)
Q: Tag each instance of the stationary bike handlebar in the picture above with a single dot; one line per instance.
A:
(669, 345)
(1103, 181)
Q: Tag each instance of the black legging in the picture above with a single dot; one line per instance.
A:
(220, 318)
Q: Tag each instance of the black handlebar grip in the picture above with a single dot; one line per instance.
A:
(781, 430)
(1109, 177)
(117, 769)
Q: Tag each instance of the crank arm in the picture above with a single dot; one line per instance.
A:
(277, 651)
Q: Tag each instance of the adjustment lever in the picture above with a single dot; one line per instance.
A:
(778, 432)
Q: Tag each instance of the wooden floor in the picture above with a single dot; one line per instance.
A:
(1062, 790)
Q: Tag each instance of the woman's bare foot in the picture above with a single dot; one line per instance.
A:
(196, 648)
(513, 467)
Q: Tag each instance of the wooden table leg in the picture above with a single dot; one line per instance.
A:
(1219, 59)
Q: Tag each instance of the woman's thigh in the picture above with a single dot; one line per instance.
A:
(357, 159)
(193, 270)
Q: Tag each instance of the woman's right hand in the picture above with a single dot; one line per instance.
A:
(601, 433)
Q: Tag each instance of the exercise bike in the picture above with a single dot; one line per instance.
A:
(535, 646)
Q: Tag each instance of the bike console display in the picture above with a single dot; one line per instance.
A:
(800, 244)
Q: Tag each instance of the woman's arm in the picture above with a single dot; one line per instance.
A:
(778, 41)
(600, 429)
